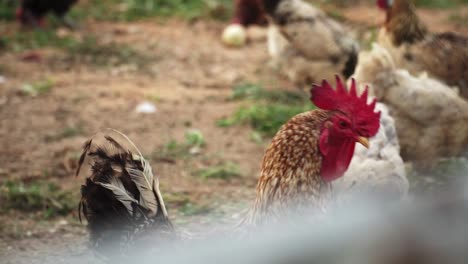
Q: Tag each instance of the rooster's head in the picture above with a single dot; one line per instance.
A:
(351, 120)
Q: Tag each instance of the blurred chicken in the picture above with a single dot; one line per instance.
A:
(32, 12)
(120, 199)
(307, 45)
(443, 55)
(431, 118)
(248, 12)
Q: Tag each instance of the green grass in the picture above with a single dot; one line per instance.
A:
(265, 111)
(21, 41)
(184, 205)
(67, 132)
(131, 10)
(225, 171)
(190, 209)
(440, 3)
(256, 92)
(173, 150)
(37, 88)
(40, 196)
(7, 10)
(459, 19)
(91, 51)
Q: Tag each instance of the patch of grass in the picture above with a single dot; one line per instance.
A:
(224, 171)
(67, 132)
(256, 92)
(190, 209)
(194, 141)
(37, 88)
(194, 138)
(267, 110)
(88, 50)
(7, 9)
(110, 54)
(42, 196)
(21, 41)
(130, 10)
(264, 118)
(440, 3)
(458, 19)
(182, 202)
(335, 14)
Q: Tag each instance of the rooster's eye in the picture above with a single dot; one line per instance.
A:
(343, 124)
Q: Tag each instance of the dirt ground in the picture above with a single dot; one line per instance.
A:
(191, 79)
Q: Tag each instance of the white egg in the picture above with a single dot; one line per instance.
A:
(234, 35)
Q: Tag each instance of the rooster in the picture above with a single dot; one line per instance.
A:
(307, 44)
(413, 47)
(121, 198)
(32, 12)
(311, 150)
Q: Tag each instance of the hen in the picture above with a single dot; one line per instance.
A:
(121, 198)
(443, 55)
(377, 172)
(306, 44)
(431, 118)
(32, 12)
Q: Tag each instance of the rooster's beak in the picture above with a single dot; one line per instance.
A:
(364, 141)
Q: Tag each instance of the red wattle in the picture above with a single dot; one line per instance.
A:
(336, 158)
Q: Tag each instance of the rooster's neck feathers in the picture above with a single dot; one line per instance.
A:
(290, 176)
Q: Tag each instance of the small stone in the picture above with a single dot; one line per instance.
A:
(63, 222)
(146, 108)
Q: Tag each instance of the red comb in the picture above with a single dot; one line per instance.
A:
(326, 98)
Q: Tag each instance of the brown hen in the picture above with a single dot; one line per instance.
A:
(413, 47)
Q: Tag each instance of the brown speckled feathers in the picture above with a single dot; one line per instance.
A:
(290, 175)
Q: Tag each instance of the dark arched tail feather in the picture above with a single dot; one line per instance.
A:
(120, 199)
(350, 65)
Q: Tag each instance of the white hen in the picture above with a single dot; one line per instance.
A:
(431, 117)
(378, 171)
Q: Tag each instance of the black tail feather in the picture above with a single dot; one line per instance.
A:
(350, 65)
(103, 204)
